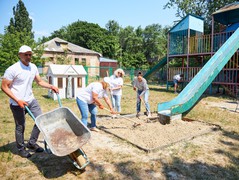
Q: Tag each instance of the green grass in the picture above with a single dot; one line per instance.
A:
(212, 157)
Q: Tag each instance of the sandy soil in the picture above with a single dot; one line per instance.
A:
(150, 135)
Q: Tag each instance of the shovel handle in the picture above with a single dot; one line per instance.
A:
(123, 117)
(109, 110)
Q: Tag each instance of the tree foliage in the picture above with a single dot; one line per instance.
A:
(18, 33)
(132, 47)
(21, 21)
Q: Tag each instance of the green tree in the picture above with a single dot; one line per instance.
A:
(155, 41)
(135, 48)
(131, 43)
(21, 21)
(90, 36)
(18, 33)
(113, 27)
(10, 44)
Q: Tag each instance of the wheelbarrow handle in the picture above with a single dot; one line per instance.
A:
(59, 99)
(33, 117)
(30, 113)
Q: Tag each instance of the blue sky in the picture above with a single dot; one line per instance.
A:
(51, 15)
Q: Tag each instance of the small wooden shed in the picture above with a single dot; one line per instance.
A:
(68, 78)
(107, 65)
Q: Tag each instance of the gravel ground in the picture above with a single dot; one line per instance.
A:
(151, 135)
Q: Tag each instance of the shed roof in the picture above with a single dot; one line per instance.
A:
(102, 59)
(55, 46)
(228, 14)
(57, 69)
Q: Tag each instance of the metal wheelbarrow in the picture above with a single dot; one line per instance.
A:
(64, 134)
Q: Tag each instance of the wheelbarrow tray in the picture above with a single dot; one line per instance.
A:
(63, 132)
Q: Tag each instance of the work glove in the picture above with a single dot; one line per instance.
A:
(22, 103)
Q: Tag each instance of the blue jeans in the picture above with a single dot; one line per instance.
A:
(146, 97)
(84, 109)
(116, 101)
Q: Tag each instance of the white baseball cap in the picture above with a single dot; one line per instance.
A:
(24, 49)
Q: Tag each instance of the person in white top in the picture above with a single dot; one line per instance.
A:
(88, 100)
(116, 84)
(177, 78)
(141, 87)
(17, 84)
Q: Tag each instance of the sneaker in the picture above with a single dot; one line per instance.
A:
(35, 147)
(24, 153)
(94, 129)
(137, 115)
(149, 114)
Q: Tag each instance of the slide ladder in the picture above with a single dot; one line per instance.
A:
(196, 87)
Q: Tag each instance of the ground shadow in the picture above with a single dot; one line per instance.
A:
(46, 97)
(125, 170)
(179, 169)
(49, 165)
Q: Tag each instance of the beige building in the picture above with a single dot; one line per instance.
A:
(59, 51)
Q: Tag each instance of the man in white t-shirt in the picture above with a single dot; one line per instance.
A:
(17, 84)
(177, 78)
(116, 84)
(89, 98)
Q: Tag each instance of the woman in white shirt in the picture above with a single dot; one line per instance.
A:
(116, 84)
(88, 100)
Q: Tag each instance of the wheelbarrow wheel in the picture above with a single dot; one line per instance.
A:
(79, 159)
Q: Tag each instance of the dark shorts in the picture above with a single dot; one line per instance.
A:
(175, 81)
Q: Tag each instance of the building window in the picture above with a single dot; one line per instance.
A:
(50, 80)
(76, 61)
(79, 82)
(60, 83)
(83, 61)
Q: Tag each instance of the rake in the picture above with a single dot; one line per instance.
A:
(128, 119)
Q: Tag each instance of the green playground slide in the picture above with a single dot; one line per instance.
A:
(160, 64)
(192, 92)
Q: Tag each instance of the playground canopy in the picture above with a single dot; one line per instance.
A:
(228, 14)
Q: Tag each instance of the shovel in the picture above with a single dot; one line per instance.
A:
(145, 105)
(128, 119)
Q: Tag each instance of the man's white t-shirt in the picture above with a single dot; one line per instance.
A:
(22, 77)
(115, 82)
(85, 94)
